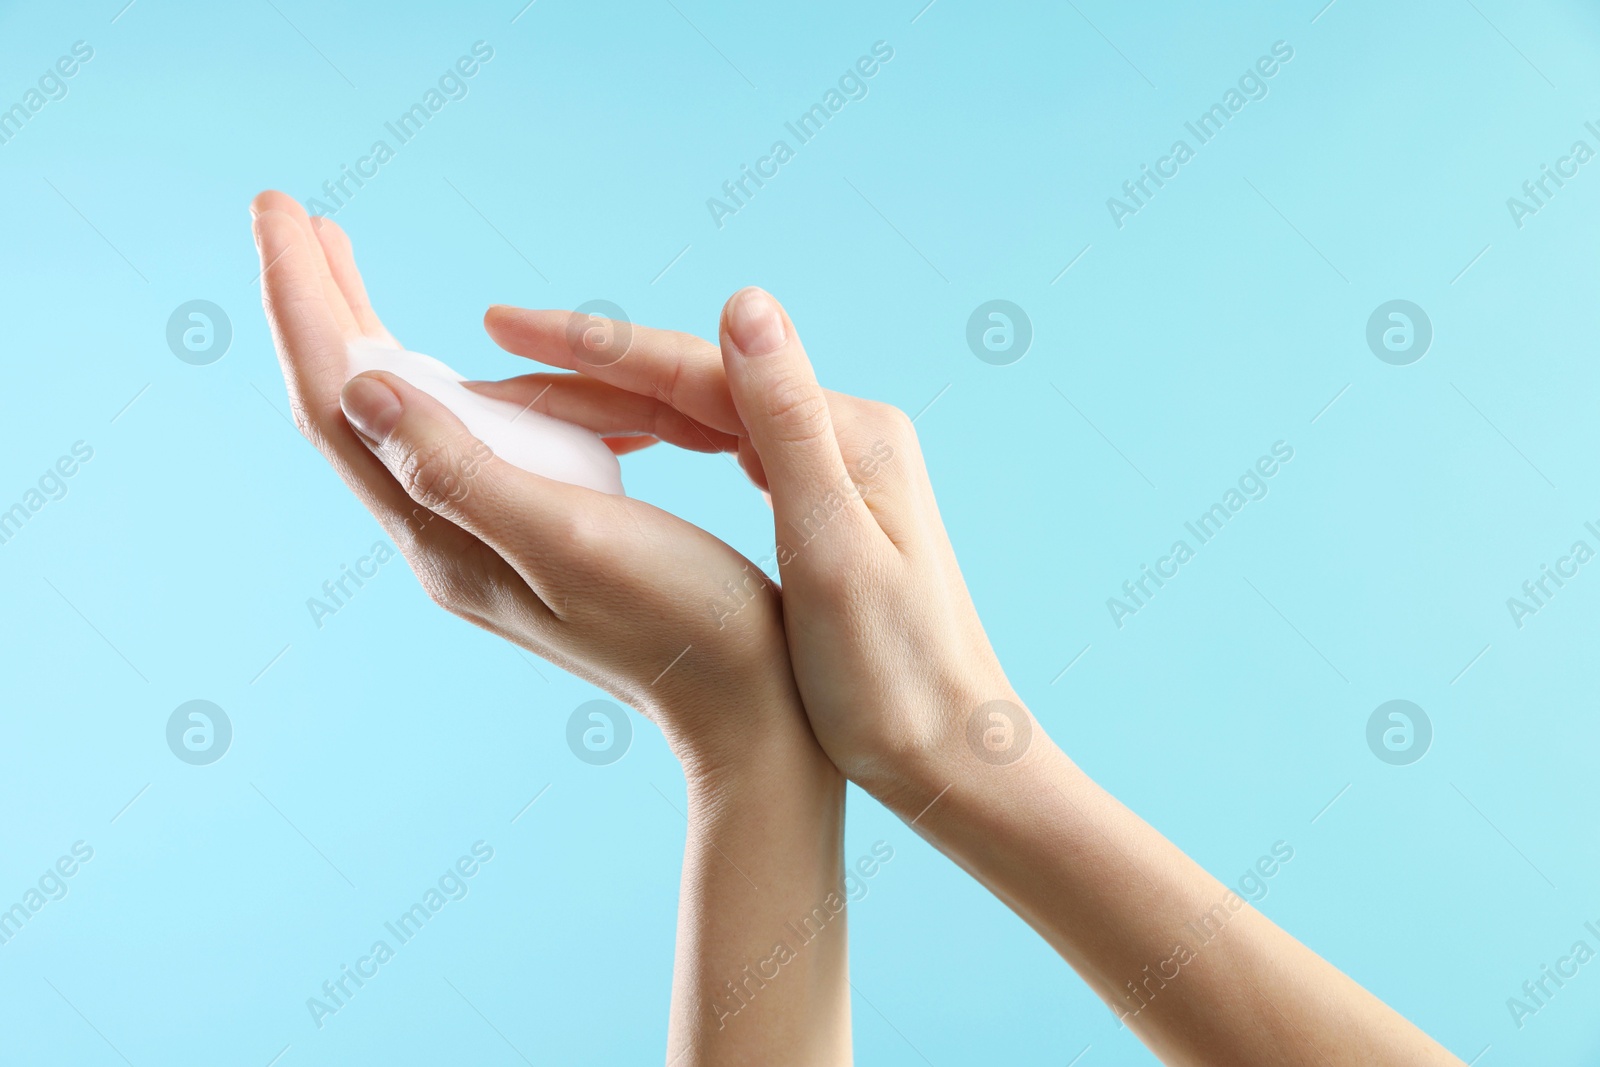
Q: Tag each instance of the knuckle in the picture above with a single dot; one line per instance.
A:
(314, 419)
(578, 537)
(441, 588)
(303, 420)
(430, 475)
(671, 388)
(891, 422)
(450, 586)
(797, 409)
(668, 423)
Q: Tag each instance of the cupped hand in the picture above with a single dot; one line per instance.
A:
(890, 657)
(610, 588)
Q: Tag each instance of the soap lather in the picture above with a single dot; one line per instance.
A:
(538, 443)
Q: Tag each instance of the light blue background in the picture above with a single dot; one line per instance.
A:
(1223, 317)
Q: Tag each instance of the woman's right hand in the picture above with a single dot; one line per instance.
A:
(906, 696)
(892, 662)
(890, 658)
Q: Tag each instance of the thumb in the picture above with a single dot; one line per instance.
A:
(445, 469)
(786, 414)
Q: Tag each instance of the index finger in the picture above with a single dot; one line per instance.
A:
(680, 369)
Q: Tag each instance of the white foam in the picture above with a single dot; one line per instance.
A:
(539, 444)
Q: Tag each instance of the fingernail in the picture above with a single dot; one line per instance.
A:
(755, 325)
(255, 228)
(371, 406)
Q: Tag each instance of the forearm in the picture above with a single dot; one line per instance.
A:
(1186, 963)
(761, 974)
(893, 664)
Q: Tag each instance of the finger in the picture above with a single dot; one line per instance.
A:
(621, 446)
(340, 254)
(879, 444)
(527, 519)
(307, 335)
(678, 369)
(787, 415)
(750, 462)
(457, 569)
(606, 409)
(311, 351)
(272, 200)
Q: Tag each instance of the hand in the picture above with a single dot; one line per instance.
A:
(886, 646)
(893, 665)
(607, 587)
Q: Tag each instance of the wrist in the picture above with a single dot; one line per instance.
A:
(983, 738)
(763, 851)
(758, 741)
(771, 768)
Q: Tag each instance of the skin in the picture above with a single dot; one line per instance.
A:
(909, 700)
(613, 590)
(886, 651)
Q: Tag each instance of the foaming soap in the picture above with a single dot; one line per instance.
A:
(537, 443)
